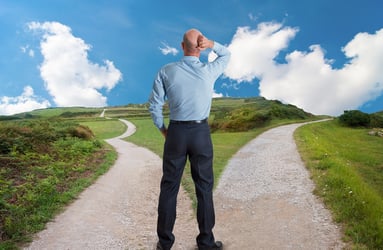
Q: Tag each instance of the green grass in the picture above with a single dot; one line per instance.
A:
(347, 167)
(105, 128)
(147, 135)
(225, 146)
(44, 166)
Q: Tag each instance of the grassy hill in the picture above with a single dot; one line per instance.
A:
(245, 114)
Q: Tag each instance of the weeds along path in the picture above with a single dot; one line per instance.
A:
(119, 211)
(264, 199)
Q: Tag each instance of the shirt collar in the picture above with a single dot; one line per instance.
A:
(190, 59)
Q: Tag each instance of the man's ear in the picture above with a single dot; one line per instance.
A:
(183, 45)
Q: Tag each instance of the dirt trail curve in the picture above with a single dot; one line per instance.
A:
(263, 201)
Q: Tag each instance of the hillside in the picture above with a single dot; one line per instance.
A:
(242, 114)
(227, 114)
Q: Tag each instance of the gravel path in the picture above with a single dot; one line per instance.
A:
(119, 211)
(263, 201)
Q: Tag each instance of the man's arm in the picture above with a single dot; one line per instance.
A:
(218, 65)
(222, 52)
(156, 103)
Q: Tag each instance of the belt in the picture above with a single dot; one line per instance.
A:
(189, 122)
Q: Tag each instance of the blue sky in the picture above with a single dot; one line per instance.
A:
(323, 56)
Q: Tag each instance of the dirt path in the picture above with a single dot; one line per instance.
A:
(263, 201)
(119, 211)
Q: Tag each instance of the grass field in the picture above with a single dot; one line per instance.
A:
(347, 167)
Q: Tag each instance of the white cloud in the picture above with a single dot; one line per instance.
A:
(26, 49)
(217, 95)
(307, 79)
(252, 17)
(230, 85)
(253, 50)
(166, 49)
(31, 53)
(27, 101)
(69, 76)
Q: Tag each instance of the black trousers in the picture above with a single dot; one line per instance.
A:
(182, 141)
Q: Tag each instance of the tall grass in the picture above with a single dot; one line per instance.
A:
(347, 167)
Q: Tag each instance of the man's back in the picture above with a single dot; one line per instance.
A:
(188, 86)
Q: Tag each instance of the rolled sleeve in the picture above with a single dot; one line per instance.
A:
(222, 60)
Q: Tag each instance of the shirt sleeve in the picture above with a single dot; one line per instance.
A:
(156, 102)
(223, 56)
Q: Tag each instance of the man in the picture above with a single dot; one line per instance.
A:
(187, 85)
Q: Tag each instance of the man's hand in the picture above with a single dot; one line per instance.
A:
(204, 43)
(164, 131)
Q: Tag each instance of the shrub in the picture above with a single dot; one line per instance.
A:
(355, 118)
(376, 121)
(82, 132)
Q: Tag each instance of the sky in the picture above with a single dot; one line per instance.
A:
(322, 56)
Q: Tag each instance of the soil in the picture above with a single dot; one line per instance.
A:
(263, 200)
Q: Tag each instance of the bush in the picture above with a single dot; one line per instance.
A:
(82, 132)
(376, 121)
(287, 112)
(355, 118)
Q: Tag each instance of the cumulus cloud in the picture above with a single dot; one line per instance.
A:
(166, 49)
(27, 101)
(70, 78)
(253, 50)
(307, 79)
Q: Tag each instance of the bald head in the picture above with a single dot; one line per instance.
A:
(190, 44)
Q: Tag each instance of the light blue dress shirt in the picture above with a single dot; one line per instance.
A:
(188, 87)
